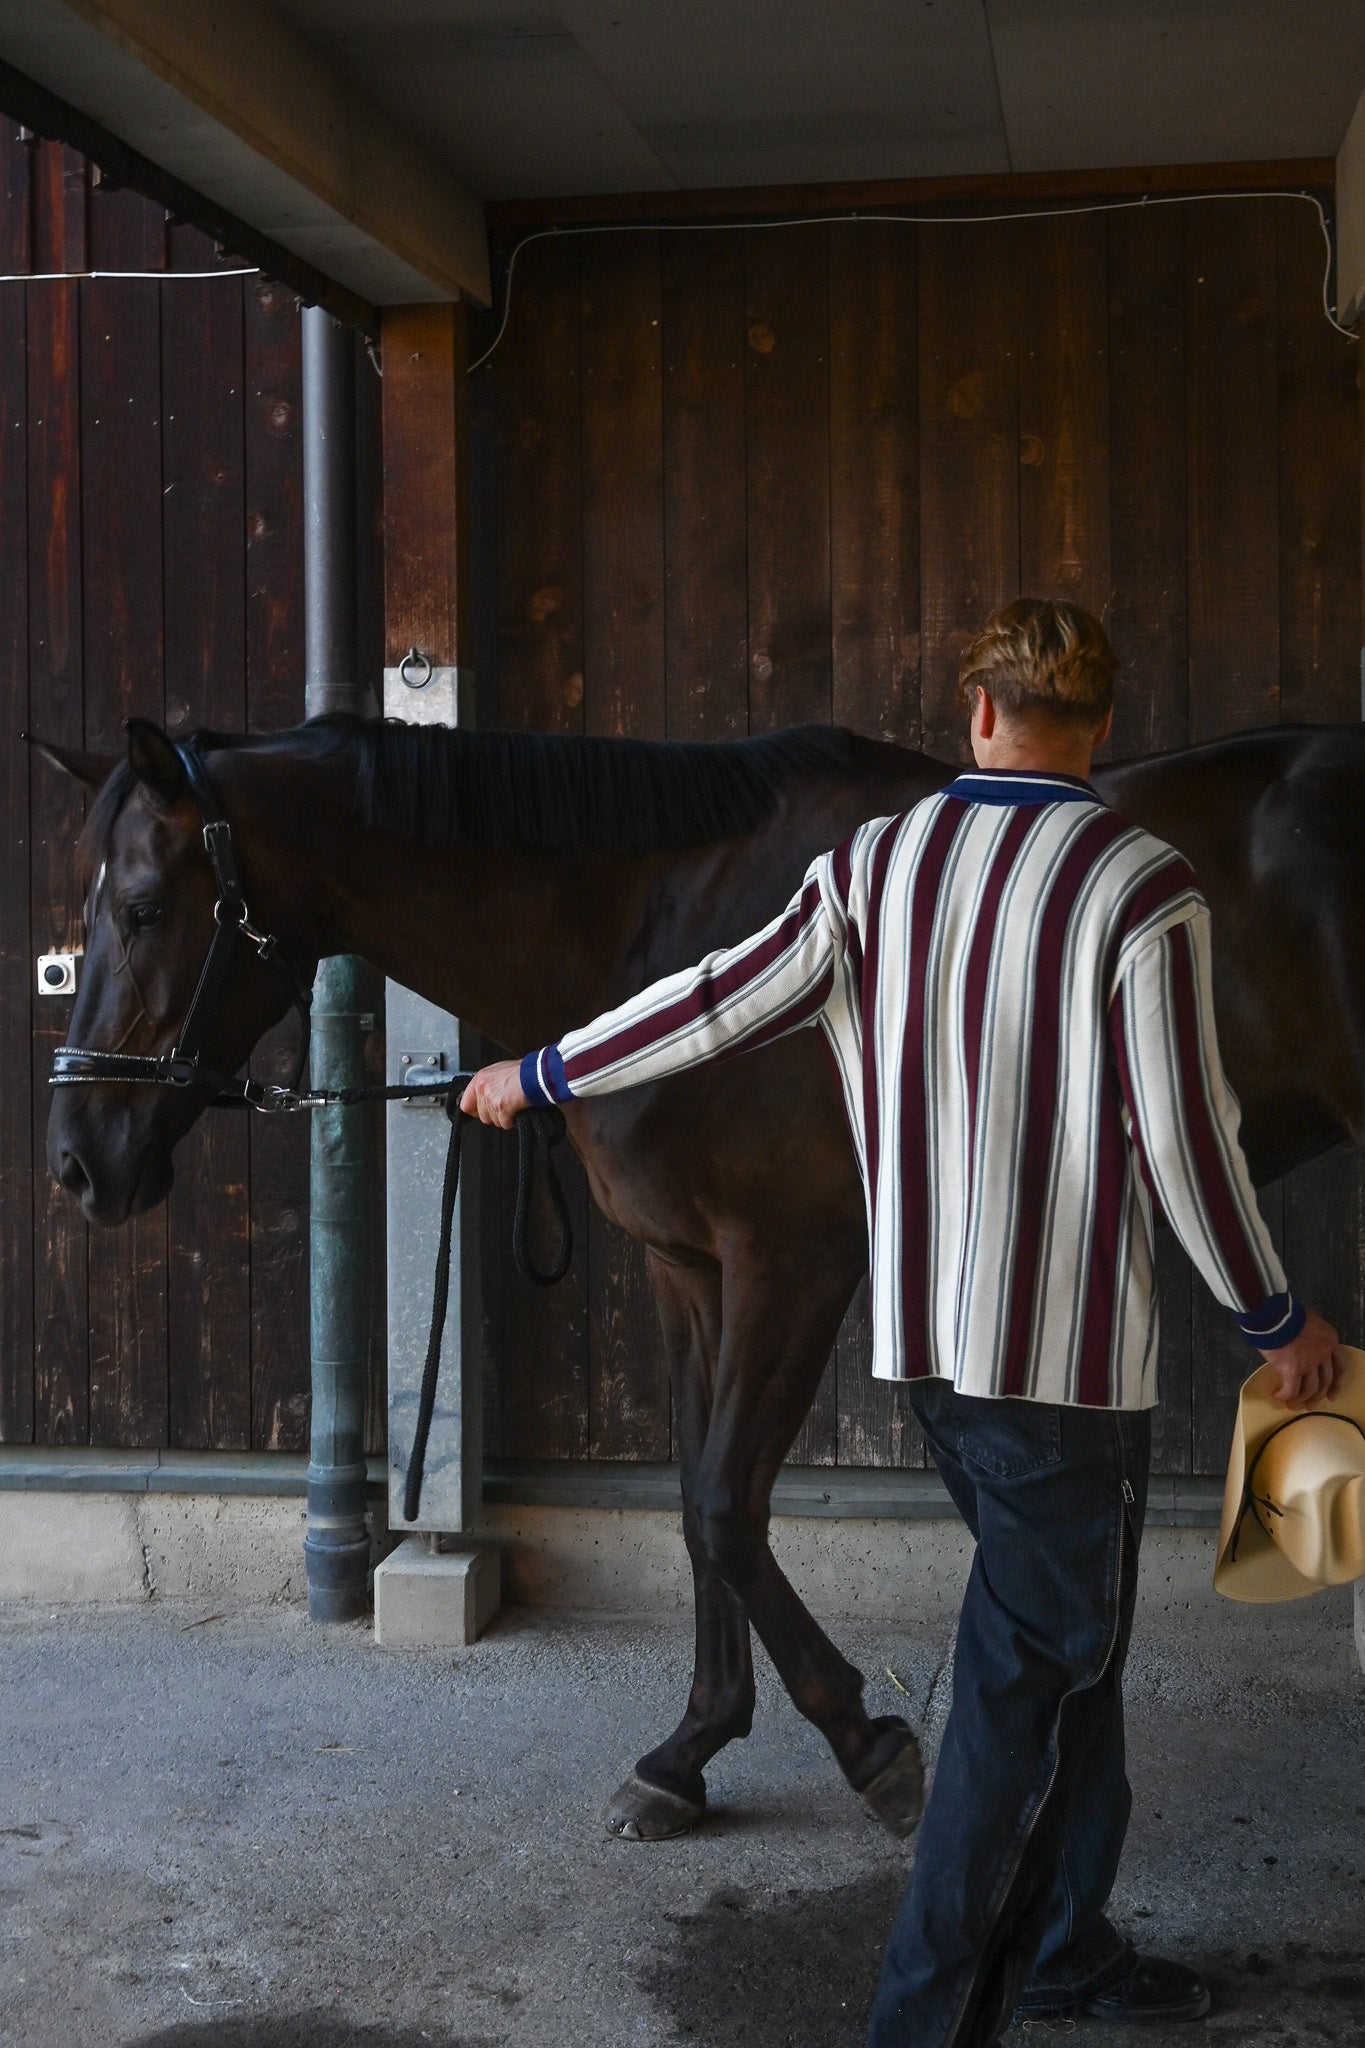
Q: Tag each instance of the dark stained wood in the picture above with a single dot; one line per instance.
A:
(121, 530)
(543, 1337)
(60, 199)
(1147, 500)
(787, 386)
(787, 447)
(204, 538)
(623, 668)
(1324, 1238)
(61, 1365)
(1061, 271)
(706, 631)
(16, 953)
(874, 479)
(969, 468)
(426, 568)
(747, 202)
(875, 597)
(623, 550)
(1234, 643)
(1320, 500)
(274, 681)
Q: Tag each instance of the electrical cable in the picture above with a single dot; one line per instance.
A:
(123, 276)
(914, 220)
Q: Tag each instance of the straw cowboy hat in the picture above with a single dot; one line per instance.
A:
(1294, 1504)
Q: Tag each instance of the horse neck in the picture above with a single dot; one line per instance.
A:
(520, 943)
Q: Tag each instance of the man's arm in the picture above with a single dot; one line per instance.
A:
(735, 999)
(1185, 1123)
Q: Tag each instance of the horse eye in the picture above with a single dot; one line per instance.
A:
(142, 916)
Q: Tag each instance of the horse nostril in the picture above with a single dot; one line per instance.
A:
(72, 1174)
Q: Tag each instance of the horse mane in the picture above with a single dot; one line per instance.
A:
(564, 793)
(569, 793)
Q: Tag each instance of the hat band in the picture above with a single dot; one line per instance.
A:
(1258, 1503)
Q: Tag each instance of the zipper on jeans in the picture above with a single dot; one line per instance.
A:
(1129, 1494)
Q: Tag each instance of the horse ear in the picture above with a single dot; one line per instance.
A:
(92, 769)
(154, 761)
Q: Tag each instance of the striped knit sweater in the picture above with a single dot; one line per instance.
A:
(1016, 988)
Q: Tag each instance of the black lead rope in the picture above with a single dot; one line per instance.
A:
(538, 1132)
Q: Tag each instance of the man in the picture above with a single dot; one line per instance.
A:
(1016, 988)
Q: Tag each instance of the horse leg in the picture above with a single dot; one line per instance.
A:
(666, 1792)
(779, 1328)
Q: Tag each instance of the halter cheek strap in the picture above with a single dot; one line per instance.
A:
(183, 1067)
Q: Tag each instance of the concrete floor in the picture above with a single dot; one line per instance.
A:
(239, 1832)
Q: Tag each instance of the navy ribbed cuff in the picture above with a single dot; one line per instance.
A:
(1276, 1322)
(542, 1078)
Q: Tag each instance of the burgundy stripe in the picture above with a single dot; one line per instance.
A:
(800, 1013)
(876, 891)
(1213, 1183)
(1041, 1098)
(979, 964)
(914, 1140)
(708, 994)
(1119, 1041)
(1097, 1331)
(1170, 881)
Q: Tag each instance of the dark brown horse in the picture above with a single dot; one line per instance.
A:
(525, 884)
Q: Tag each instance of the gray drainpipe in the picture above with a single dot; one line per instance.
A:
(337, 1545)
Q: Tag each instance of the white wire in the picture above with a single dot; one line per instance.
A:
(914, 220)
(125, 276)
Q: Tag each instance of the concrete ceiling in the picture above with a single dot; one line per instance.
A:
(525, 98)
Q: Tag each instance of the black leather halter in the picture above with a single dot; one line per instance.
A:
(183, 1066)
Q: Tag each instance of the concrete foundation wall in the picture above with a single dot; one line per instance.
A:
(60, 1549)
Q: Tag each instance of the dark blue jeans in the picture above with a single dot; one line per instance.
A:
(1022, 1833)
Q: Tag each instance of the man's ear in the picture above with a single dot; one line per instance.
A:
(93, 770)
(155, 762)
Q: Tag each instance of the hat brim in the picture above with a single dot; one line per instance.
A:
(1260, 1572)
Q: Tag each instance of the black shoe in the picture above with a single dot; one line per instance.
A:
(1149, 1992)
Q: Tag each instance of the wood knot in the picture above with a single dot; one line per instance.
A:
(967, 396)
(1031, 451)
(762, 340)
(763, 666)
(573, 690)
(542, 603)
(280, 417)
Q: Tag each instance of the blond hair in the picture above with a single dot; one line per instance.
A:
(1039, 655)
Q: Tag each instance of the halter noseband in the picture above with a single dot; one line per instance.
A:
(182, 1067)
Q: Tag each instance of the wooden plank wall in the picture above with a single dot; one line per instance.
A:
(150, 562)
(741, 478)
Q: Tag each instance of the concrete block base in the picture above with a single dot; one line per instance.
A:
(435, 1599)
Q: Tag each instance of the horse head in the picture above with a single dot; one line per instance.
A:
(149, 895)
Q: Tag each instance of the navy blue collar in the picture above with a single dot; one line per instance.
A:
(1020, 786)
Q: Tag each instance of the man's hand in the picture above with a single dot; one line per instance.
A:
(1310, 1367)
(494, 1095)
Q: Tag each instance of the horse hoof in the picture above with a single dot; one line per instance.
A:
(895, 1796)
(639, 1812)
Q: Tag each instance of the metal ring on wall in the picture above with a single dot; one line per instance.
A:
(416, 659)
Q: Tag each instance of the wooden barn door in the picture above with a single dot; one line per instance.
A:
(151, 564)
(735, 479)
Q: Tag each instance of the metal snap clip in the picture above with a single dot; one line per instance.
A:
(416, 660)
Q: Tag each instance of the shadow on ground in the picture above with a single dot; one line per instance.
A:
(299, 2030)
(798, 1970)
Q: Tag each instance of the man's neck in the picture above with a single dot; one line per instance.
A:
(1034, 755)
